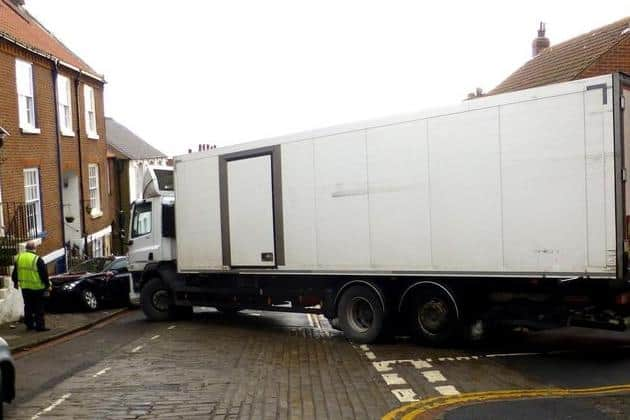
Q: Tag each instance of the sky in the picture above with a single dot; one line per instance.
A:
(181, 73)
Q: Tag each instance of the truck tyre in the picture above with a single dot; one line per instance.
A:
(361, 314)
(156, 300)
(432, 316)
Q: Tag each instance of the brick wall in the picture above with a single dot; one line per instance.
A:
(40, 150)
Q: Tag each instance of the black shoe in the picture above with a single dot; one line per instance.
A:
(42, 329)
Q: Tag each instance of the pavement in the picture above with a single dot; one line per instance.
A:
(60, 324)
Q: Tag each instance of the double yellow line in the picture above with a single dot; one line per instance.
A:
(413, 410)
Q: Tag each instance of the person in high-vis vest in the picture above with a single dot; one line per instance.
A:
(30, 275)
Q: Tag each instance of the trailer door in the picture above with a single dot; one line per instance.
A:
(250, 209)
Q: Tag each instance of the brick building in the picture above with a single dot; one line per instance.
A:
(53, 165)
(128, 157)
(601, 51)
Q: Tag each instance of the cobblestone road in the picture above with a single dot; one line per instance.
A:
(258, 365)
(287, 366)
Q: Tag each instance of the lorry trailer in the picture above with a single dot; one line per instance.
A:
(508, 209)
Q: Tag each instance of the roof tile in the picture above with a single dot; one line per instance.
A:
(567, 60)
(17, 24)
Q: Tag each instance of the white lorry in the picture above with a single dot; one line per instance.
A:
(504, 209)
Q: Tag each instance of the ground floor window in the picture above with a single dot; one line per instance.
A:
(97, 247)
(33, 205)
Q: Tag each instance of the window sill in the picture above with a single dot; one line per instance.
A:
(67, 133)
(30, 130)
(93, 136)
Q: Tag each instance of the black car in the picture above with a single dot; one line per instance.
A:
(92, 284)
(7, 375)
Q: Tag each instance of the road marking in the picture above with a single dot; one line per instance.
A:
(512, 354)
(155, 337)
(171, 327)
(255, 314)
(51, 406)
(370, 355)
(413, 410)
(137, 349)
(364, 347)
(418, 364)
(393, 379)
(405, 395)
(383, 366)
(433, 376)
(99, 373)
(310, 320)
(447, 390)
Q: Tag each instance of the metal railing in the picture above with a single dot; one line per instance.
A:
(21, 222)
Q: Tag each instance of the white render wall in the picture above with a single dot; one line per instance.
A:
(510, 183)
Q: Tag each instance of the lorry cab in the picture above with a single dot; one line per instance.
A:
(152, 224)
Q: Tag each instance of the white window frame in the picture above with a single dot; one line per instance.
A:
(97, 248)
(33, 202)
(64, 105)
(94, 188)
(90, 112)
(26, 97)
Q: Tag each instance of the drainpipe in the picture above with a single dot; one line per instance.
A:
(81, 195)
(55, 73)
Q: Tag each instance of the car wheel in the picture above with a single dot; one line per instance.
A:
(89, 300)
(361, 315)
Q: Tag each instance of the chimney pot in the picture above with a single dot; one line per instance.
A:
(541, 42)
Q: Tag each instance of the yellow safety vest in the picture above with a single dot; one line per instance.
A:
(27, 273)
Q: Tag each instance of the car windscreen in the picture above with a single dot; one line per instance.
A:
(164, 179)
(117, 264)
(95, 265)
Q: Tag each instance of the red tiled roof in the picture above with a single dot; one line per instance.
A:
(18, 25)
(567, 60)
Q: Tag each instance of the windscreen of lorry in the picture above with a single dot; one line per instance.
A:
(165, 179)
(142, 218)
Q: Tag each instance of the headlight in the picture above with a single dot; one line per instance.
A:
(70, 286)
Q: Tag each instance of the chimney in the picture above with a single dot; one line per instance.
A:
(541, 42)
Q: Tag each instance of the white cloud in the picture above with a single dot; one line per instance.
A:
(224, 72)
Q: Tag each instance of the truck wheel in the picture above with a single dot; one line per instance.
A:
(432, 316)
(156, 300)
(361, 315)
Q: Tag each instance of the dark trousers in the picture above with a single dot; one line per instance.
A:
(34, 309)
